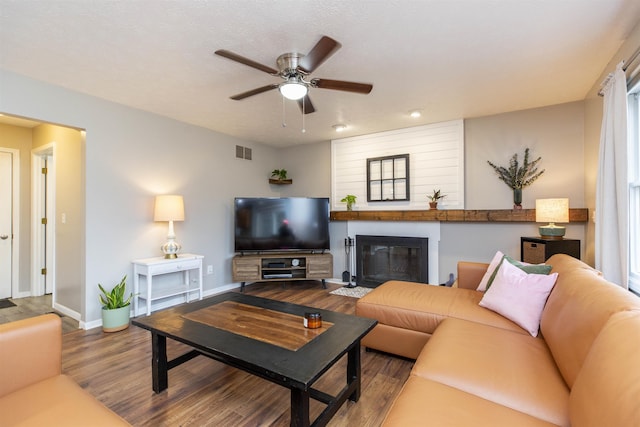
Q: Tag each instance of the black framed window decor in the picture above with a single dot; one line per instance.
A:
(388, 178)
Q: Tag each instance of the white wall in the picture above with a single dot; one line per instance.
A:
(436, 161)
(130, 156)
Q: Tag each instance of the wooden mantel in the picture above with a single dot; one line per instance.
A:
(453, 215)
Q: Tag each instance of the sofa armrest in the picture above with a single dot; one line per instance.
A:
(470, 274)
(30, 351)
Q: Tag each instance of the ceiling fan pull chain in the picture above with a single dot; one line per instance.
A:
(284, 121)
(303, 129)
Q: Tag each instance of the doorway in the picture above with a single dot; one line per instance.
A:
(9, 221)
(51, 253)
(43, 185)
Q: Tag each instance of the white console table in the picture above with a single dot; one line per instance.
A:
(150, 267)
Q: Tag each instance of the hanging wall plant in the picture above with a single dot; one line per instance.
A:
(518, 176)
(279, 176)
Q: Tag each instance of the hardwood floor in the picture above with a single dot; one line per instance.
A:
(116, 368)
(34, 306)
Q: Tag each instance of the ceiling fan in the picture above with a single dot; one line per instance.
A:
(294, 69)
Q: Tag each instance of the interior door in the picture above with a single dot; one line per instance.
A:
(6, 232)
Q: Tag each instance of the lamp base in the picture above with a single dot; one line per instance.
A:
(171, 249)
(552, 232)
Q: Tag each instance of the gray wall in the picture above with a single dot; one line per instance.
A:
(130, 156)
(556, 134)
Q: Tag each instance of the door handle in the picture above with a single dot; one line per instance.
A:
(4, 237)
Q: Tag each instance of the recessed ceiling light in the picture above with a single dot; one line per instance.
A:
(415, 113)
(339, 127)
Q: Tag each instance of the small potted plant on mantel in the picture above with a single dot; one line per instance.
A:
(279, 176)
(350, 200)
(115, 308)
(437, 195)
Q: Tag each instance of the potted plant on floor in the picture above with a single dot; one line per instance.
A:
(115, 308)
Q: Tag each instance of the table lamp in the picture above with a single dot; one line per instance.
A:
(552, 211)
(169, 208)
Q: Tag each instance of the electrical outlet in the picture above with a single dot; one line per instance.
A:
(209, 269)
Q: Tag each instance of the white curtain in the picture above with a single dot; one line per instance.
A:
(612, 191)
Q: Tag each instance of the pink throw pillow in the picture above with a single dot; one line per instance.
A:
(518, 296)
(495, 262)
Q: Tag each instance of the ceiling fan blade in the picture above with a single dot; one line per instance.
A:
(252, 92)
(241, 59)
(307, 106)
(320, 53)
(363, 88)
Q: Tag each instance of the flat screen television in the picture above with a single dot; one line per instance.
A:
(281, 224)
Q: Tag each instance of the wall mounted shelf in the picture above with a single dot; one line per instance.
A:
(280, 181)
(453, 215)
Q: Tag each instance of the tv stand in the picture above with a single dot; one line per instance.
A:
(279, 267)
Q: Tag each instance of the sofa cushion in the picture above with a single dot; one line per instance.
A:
(399, 341)
(510, 369)
(579, 305)
(421, 307)
(55, 401)
(428, 403)
(30, 351)
(519, 296)
(607, 389)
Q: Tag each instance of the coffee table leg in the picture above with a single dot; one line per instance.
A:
(354, 370)
(159, 366)
(299, 408)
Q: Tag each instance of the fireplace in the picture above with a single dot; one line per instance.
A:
(382, 258)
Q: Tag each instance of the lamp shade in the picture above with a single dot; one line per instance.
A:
(169, 208)
(552, 210)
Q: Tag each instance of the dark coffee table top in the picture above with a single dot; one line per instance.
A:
(264, 354)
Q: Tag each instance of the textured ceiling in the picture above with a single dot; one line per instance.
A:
(449, 58)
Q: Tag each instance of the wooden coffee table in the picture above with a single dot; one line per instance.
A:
(265, 338)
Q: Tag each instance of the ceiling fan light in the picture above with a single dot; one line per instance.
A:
(339, 127)
(293, 90)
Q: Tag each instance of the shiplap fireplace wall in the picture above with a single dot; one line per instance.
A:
(436, 160)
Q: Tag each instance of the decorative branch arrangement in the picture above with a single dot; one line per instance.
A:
(517, 177)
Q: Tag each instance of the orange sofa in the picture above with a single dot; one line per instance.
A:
(33, 390)
(476, 368)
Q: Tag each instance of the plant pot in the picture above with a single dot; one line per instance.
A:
(115, 320)
(433, 205)
(517, 198)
